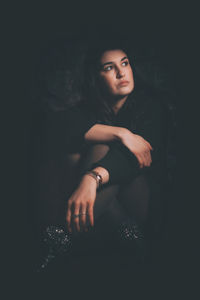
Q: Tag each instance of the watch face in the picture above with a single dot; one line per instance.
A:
(96, 176)
(99, 179)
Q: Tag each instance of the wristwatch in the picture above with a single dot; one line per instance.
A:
(96, 176)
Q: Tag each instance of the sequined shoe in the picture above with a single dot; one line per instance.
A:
(131, 239)
(57, 242)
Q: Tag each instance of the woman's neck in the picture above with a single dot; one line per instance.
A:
(118, 104)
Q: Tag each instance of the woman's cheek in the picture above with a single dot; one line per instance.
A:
(110, 84)
(133, 84)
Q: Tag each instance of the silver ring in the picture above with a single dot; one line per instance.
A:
(76, 216)
(81, 214)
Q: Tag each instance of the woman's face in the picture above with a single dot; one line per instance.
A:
(116, 73)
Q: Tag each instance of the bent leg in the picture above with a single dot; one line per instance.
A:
(142, 200)
(134, 197)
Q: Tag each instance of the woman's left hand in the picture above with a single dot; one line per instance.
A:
(81, 204)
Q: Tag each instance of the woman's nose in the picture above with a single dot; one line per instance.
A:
(120, 73)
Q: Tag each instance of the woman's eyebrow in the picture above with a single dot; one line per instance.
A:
(125, 57)
(107, 63)
(111, 62)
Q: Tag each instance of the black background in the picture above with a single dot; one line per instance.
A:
(170, 29)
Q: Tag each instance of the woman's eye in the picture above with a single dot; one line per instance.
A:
(125, 63)
(108, 68)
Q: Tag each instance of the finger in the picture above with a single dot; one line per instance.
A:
(144, 159)
(149, 145)
(83, 216)
(68, 216)
(91, 214)
(76, 218)
(148, 158)
(151, 148)
(140, 160)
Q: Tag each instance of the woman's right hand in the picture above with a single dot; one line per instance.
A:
(138, 146)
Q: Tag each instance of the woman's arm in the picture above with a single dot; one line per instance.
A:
(103, 133)
(82, 200)
(135, 143)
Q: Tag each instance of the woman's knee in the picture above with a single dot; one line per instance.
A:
(73, 159)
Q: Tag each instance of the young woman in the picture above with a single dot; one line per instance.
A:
(110, 153)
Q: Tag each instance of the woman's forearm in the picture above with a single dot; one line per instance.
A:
(104, 133)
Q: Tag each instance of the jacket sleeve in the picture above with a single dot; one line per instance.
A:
(122, 164)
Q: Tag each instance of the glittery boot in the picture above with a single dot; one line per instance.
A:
(57, 242)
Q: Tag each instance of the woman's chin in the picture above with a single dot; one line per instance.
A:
(124, 91)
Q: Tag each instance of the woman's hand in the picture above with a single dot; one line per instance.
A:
(138, 146)
(81, 204)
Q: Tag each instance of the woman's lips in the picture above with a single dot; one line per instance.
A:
(123, 83)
